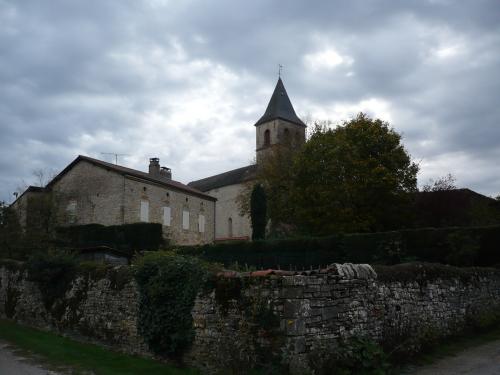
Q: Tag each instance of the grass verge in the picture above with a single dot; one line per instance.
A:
(58, 351)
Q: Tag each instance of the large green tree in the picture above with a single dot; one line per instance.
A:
(353, 178)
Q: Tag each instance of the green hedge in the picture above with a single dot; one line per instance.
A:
(127, 237)
(475, 246)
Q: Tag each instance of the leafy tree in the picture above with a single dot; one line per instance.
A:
(353, 178)
(10, 233)
(41, 222)
(258, 212)
(443, 183)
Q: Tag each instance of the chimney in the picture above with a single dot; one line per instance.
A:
(154, 167)
(166, 173)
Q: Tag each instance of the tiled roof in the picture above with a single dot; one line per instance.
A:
(280, 107)
(236, 176)
(135, 173)
(345, 271)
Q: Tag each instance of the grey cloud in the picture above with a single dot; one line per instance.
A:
(71, 68)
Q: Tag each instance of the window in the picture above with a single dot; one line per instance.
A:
(145, 211)
(71, 211)
(230, 227)
(185, 219)
(267, 138)
(201, 223)
(166, 216)
(286, 136)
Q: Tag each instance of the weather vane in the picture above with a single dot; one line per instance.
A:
(280, 67)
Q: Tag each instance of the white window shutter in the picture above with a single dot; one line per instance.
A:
(185, 219)
(166, 216)
(71, 210)
(145, 211)
(201, 223)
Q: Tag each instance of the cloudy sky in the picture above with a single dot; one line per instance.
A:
(186, 80)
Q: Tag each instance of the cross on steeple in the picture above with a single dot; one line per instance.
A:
(280, 67)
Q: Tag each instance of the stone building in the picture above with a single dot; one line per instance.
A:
(93, 191)
(278, 125)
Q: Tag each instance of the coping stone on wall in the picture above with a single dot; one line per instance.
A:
(353, 271)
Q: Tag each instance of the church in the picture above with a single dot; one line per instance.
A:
(278, 125)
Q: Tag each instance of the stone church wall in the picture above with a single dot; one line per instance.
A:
(279, 316)
(227, 208)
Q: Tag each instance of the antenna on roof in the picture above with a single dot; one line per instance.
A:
(280, 67)
(115, 154)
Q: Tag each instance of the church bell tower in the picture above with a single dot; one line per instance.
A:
(279, 125)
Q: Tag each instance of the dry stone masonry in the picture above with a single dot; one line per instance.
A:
(280, 317)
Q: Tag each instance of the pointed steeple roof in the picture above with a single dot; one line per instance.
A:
(280, 107)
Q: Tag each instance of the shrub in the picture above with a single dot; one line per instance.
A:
(53, 273)
(168, 286)
(126, 237)
(475, 246)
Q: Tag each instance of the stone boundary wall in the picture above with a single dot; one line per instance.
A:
(273, 316)
(93, 310)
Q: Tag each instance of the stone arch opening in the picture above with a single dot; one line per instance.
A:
(267, 138)
(286, 135)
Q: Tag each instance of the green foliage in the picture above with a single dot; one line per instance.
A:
(443, 183)
(258, 212)
(475, 246)
(53, 273)
(276, 174)
(10, 234)
(40, 222)
(168, 285)
(126, 237)
(357, 356)
(464, 249)
(354, 178)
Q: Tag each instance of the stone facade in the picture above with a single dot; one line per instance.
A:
(279, 132)
(88, 193)
(230, 223)
(283, 315)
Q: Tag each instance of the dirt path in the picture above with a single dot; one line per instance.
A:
(13, 364)
(480, 360)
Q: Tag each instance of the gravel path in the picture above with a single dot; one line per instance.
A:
(480, 360)
(13, 364)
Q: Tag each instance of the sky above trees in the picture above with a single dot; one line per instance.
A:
(186, 80)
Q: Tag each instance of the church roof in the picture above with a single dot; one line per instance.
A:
(280, 107)
(236, 176)
(134, 173)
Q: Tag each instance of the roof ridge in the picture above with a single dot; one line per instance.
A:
(133, 172)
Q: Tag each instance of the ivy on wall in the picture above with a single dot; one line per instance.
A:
(168, 285)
